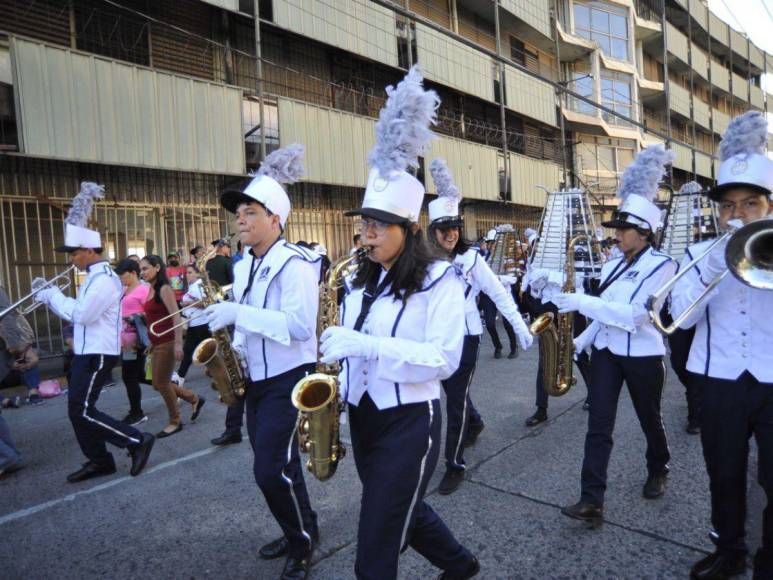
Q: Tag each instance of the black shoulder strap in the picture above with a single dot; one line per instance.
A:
(372, 291)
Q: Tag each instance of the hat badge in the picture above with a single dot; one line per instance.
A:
(380, 184)
(739, 167)
(449, 206)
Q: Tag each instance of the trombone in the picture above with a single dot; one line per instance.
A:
(222, 293)
(62, 287)
(749, 257)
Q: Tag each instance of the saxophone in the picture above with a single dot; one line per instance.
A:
(556, 343)
(222, 362)
(317, 396)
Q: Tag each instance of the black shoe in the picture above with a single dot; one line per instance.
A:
(227, 439)
(718, 566)
(472, 434)
(655, 486)
(13, 467)
(140, 453)
(498, 353)
(280, 546)
(274, 549)
(135, 419)
(297, 568)
(452, 479)
(539, 417)
(693, 428)
(585, 512)
(472, 570)
(197, 408)
(161, 434)
(513, 354)
(90, 470)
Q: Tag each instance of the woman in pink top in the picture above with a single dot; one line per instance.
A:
(132, 351)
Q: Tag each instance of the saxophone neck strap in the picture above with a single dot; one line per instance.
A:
(372, 291)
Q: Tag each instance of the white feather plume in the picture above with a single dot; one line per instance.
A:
(643, 175)
(82, 203)
(745, 135)
(284, 165)
(403, 127)
(444, 180)
(691, 187)
(530, 232)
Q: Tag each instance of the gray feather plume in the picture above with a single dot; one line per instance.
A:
(745, 135)
(642, 176)
(402, 130)
(691, 187)
(444, 180)
(82, 203)
(284, 165)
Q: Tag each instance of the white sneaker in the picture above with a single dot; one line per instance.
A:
(176, 378)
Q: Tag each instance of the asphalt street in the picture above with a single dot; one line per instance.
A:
(196, 512)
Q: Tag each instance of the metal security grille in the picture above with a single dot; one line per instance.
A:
(145, 211)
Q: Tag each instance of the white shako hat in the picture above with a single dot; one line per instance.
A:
(531, 235)
(402, 134)
(76, 234)
(742, 156)
(283, 166)
(491, 235)
(444, 211)
(638, 189)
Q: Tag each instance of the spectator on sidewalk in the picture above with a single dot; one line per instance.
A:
(18, 353)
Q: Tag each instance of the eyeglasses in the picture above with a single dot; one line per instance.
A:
(377, 226)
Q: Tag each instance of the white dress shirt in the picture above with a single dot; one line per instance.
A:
(622, 324)
(732, 331)
(95, 313)
(194, 315)
(420, 345)
(277, 322)
(478, 278)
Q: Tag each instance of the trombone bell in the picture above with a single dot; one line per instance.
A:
(749, 254)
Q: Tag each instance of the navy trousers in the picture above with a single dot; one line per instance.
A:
(679, 344)
(396, 451)
(271, 424)
(490, 318)
(234, 418)
(457, 388)
(93, 428)
(732, 411)
(644, 377)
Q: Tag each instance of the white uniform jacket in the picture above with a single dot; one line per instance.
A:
(622, 325)
(277, 322)
(478, 278)
(732, 331)
(195, 316)
(421, 341)
(95, 313)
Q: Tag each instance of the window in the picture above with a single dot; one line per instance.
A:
(582, 84)
(603, 155)
(605, 24)
(616, 95)
(252, 129)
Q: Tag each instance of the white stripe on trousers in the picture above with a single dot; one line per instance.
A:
(421, 476)
(464, 411)
(290, 483)
(86, 404)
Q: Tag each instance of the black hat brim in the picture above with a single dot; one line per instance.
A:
(230, 199)
(378, 214)
(618, 224)
(716, 193)
(454, 222)
(67, 249)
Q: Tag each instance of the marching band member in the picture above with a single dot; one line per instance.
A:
(275, 314)
(490, 310)
(626, 347)
(731, 361)
(401, 333)
(445, 231)
(96, 317)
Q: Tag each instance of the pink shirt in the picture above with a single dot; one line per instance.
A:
(132, 303)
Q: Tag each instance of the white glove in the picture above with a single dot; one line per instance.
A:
(338, 342)
(44, 296)
(538, 279)
(221, 315)
(714, 264)
(525, 339)
(507, 280)
(38, 283)
(570, 302)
